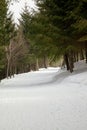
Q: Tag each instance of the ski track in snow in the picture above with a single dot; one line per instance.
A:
(51, 99)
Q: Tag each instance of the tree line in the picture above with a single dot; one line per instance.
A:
(58, 29)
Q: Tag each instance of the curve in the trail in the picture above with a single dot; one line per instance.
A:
(44, 78)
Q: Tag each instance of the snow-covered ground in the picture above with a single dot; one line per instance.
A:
(51, 99)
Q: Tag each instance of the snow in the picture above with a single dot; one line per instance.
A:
(48, 99)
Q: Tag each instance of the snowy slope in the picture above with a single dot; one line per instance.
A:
(51, 99)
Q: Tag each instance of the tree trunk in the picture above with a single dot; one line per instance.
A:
(86, 51)
(77, 56)
(81, 55)
(10, 70)
(29, 67)
(71, 63)
(45, 61)
(15, 70)
(66, 61)
(37, 64)
(8, 66)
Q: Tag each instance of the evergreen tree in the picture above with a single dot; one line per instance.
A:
(64, 15)
(6, 34)
(38, 30)
(3, 12)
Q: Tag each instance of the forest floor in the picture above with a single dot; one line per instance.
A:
(48, 99)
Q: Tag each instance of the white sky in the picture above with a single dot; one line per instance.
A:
(17, 8)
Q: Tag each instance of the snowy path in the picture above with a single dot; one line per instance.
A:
(46, 100)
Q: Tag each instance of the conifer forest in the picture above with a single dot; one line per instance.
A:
(56, 31)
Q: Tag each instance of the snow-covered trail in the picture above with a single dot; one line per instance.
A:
(50, 99)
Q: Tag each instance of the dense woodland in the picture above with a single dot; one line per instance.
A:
(57, 30)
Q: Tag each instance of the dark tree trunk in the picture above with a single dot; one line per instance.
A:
(66, 61)
(77, 56)
(45, 61)
(86, 51)
(71, 63)
(81, 55)
(74, 57)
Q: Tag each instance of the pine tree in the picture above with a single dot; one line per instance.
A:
(38, 30)
(64, 15)
(54, 30)
(3, 12)
(7, 32)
